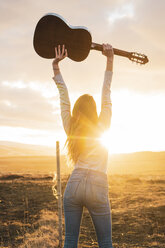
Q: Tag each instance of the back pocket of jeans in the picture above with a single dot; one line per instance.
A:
(71, 189)
(100, 193)
(99, 180)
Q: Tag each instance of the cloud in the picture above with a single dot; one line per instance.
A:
(28, 107)
(125, 11)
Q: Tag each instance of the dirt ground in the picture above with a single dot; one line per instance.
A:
(28, 212)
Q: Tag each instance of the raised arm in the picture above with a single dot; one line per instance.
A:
(64, 96)
(106, 104)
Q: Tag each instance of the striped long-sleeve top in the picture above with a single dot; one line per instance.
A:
(95, 155)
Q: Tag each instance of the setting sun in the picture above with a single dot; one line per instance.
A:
(105, 139)
(115, 142)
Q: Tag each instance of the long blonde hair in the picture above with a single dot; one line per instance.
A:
(83, 125)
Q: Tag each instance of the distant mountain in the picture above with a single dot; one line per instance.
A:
(146, 162)
(8, 148)
(17, 157)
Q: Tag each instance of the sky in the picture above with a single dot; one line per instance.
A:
(29, 100)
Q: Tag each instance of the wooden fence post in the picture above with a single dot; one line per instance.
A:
(59, 193)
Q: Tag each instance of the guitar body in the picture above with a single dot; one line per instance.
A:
(52, 30)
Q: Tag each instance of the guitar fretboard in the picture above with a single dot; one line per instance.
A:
(98, 47)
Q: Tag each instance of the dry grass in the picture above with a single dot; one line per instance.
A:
(28, 212)
(46, 234)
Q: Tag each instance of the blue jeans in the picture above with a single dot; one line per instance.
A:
(87, 188)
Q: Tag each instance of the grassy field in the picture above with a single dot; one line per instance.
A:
(28, 212)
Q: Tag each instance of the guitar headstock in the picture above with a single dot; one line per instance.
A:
(138, 58)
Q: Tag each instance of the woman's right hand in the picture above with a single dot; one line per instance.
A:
(59, 55)
(109, 53)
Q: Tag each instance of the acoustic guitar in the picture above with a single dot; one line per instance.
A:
(52, 30)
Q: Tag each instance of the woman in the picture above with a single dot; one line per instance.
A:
(88, 183)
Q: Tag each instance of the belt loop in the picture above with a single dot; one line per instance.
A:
(87, 171)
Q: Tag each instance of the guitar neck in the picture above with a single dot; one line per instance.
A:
(98, 47)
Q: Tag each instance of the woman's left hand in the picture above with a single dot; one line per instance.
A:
(59, 55)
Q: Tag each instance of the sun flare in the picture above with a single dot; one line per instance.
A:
(111, 143)
(105, 139)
